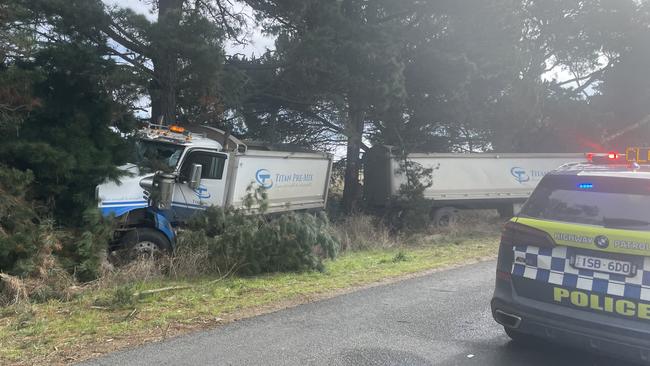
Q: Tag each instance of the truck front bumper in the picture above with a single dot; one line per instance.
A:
(620, 338)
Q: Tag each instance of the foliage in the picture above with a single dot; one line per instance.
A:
(84, 249)
(176, 61)
(66, 141)
(31, 248)
(252, 243)
(412, 208)
(20, 234)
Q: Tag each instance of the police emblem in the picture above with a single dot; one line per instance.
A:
(601, 242)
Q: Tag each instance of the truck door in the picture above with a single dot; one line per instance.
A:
(211, 192)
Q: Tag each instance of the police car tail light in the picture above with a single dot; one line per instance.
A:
(515, 234)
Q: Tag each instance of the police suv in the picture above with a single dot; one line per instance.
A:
(574, 265)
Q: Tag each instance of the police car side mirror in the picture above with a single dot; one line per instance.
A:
(195, 176)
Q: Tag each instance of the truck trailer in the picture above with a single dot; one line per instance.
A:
(190, 171)
(460, 181)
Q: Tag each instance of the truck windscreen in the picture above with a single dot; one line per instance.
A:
(158, 155)
(622, 203)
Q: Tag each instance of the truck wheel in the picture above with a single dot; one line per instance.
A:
(145, 243)
(445, 217)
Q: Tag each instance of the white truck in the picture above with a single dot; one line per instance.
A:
(199, 170)
(461, 181)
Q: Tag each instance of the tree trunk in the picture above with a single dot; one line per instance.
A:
(352, 187)
(165, 63)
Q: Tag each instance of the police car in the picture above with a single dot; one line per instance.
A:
(574, 265)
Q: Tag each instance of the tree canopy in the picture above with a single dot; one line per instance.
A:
(437, 75)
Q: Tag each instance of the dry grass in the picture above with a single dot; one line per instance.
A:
(12, 290)
(361, 232)
(189, 262)
(140, 270)
(48, 279)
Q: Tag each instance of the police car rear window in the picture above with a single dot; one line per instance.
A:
(622, 203)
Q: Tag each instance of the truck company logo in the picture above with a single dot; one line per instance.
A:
(202, 193)
(523, 175)
(520, 174)
(601, 242)
(268, 180)
(263, 177)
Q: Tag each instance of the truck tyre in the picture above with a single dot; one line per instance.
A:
(145, 243)
(445, 217)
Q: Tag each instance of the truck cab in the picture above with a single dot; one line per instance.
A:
(166, 156)
(177, 173)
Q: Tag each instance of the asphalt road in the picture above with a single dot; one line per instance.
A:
(440, 319)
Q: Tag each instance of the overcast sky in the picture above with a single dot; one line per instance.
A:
(257, 42)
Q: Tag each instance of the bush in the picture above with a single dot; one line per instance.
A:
(411, 211)
(84, 249)
(246, 243)
(38, 261)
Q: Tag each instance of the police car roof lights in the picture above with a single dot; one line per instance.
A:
(634, 157)
(606, 158)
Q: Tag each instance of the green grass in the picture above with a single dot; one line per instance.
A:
(104, 320)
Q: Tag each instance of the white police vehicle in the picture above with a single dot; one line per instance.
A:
(574, 265)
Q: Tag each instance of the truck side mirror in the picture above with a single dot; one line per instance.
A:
(195, 176)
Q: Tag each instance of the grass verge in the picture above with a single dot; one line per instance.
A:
(106, 320)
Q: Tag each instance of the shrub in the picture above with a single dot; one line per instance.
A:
(253, 243)
(411, 211)
(85, 248)
(20, 231)
(37, 257)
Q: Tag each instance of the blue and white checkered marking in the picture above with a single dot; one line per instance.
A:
(552, 265)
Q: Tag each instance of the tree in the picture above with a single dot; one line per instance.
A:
(336, 59)
(179, 56)
(582, 39)
(66, 141)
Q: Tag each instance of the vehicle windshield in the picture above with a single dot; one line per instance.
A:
(154, 156)
(622, 203)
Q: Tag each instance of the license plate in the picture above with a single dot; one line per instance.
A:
(604, 265)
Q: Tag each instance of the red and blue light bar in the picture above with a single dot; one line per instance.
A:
(639, 155)
(606, 158)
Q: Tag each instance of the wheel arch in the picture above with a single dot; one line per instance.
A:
(146, 217)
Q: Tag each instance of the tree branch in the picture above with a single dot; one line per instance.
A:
(591, 78)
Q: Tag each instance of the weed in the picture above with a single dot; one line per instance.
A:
(123, 296)
(400, 257)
